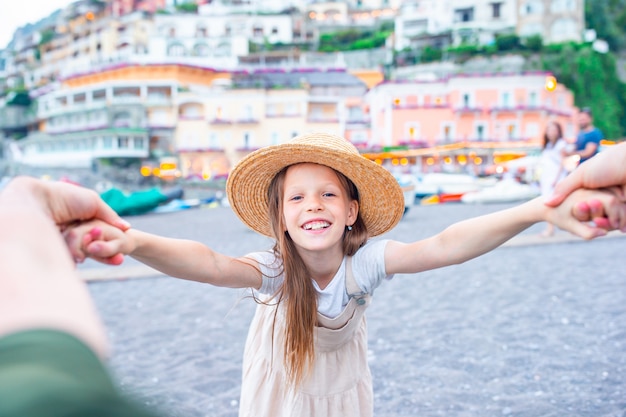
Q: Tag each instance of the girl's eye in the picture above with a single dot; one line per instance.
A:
(296, 198)
(329, 194)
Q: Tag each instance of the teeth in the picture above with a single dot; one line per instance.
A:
(316, 225)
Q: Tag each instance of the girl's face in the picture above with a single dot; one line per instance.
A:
(552, 132)
(316, 207)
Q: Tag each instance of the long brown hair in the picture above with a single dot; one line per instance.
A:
(297, 290)
(559, 129)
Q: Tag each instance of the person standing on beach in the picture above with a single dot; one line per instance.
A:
(321, 202)
(588, 139)
(551, 164)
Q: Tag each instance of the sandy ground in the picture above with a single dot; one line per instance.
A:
(536, 328)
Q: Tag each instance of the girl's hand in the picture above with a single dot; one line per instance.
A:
(97, 240)
(589, 213)
(593, 210)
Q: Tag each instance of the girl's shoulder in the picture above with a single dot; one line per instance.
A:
(368, 265)
(267, 260)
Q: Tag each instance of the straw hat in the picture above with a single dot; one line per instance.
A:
(381, 200)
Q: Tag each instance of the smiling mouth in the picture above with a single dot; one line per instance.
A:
(317, 225)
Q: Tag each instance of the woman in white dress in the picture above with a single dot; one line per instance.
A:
(552, 164)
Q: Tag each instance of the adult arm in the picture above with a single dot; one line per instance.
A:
(39, 287)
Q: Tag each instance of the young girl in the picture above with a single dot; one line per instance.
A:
(306, 352)
(552, 164)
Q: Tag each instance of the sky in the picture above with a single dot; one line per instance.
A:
(16, 13)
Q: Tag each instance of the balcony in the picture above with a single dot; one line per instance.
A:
(322, 119)
(413, 143)
(218, 121)
(247, 121)
(282, 115)
(189, 117)
(469, 109)
(361, 121)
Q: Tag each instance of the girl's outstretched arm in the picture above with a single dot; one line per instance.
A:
(178, 258)
(194, 261)
(470, 238)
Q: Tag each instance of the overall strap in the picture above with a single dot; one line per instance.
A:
(351, 286)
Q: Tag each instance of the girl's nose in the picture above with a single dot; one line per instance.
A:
(315, 204)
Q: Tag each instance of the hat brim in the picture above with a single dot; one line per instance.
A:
(381, 198)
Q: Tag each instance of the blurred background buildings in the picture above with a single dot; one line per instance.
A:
(420, 85)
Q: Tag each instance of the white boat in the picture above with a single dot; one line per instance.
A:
(504, 191)
(407, 183)
(438, 183)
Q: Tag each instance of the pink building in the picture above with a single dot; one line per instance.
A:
(499, 113)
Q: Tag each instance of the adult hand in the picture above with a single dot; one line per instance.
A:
(606, 169)
(63, 202)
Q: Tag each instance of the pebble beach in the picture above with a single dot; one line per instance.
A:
(535, 328)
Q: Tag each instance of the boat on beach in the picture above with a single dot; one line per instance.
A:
(504, 191)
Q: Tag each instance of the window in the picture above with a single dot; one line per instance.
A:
(176, 50)
(480, 132)
(447, 131)
(466, 100)
(532, 99)
(138, 143)
(511, 131)
(563, 29)
(464, 15)
(122, 142)
(496, 10)
(355, 113)
(274, 138)
(200, 50)
(247, 113)
(531, 7)
(246, 140)
(413, 131)
(506, 100)
(559, 6)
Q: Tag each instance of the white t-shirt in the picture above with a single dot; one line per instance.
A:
(368, 268)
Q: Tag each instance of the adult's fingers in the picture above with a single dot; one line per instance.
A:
(69, 203)
(564, 188)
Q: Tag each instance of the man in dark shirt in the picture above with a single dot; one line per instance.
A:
(589, 137)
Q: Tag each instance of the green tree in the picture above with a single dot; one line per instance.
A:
(508, 42)
(593, 79)
(534, 43)
(608, 19)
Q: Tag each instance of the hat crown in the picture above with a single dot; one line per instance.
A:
(326, 141)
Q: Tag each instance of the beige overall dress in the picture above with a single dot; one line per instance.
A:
(340, 383)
